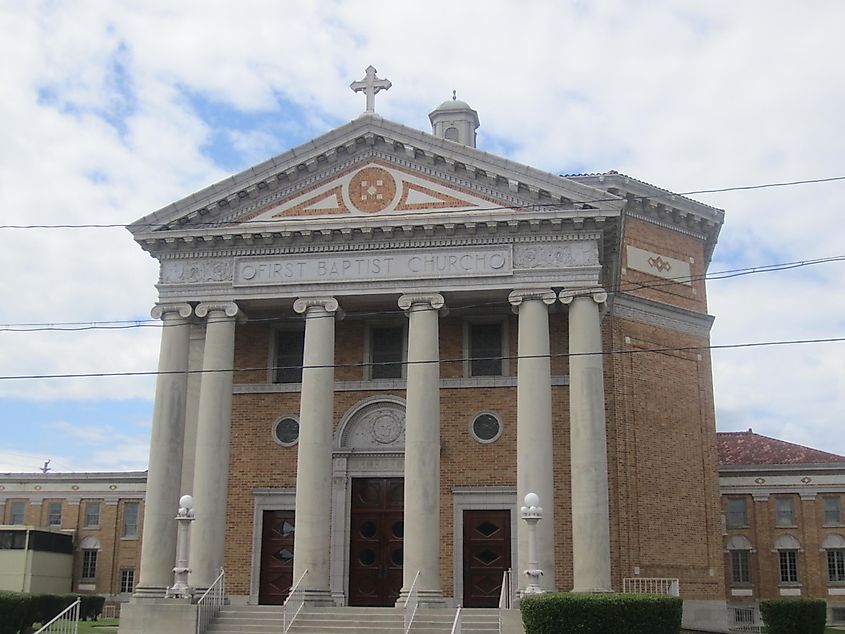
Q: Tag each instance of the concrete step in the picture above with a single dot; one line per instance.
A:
(253, 619)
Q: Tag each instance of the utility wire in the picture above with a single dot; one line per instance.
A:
(75, 326)
(417, 214)
(755, 344)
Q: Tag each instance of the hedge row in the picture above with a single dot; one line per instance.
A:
(574, 613)
(794, 616)
(18, 611)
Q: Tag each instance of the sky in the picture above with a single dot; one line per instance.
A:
(112, 110)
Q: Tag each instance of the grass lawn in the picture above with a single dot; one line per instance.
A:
(103, 626)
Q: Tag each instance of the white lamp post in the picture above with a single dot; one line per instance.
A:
(184, 517)
(532, 513)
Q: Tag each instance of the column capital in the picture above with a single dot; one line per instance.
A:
(520, 295)
(160, 310)
(426, 301)
(230, 309)
(598, 295)
(304, 304)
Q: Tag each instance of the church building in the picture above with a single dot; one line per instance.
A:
(376, 344)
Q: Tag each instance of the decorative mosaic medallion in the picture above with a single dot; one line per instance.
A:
(386, 426)
(372, 189)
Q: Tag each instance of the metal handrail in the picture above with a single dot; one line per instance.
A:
(65, 622)
(210, 602)
(295, 600)
(456, 624)
(505, 595)
(411, 603)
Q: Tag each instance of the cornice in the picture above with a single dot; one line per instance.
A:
(663, 315)
(373, 243)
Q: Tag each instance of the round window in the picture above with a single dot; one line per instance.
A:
(286, 431)
(486, 427)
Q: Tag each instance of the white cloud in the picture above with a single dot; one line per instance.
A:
(99, 126)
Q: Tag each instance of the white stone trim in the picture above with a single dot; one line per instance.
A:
(472, 499)
(654, 313)
(265, 499)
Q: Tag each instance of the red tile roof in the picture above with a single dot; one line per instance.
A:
(746, 447)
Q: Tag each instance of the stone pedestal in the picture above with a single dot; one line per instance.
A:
(312, 539)
(158, 546)
(211, 474)
(422, 450)
(534, 443)
(588, 443)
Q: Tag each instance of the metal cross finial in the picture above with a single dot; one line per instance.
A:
(370, 85)
(454, 95)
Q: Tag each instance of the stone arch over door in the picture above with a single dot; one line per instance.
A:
(369, 443)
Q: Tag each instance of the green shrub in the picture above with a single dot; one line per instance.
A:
(574, 613)
(15, 609)
(91, 606)
(794, 616)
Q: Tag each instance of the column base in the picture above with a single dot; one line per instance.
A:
(425, 599)
(317, 598)
(149, 592)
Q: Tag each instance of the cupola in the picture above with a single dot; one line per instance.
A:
(454, 120)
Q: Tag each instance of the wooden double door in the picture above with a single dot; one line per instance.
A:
(376, 535)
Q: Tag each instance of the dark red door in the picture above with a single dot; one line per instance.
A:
(487, 554)
(276, 557)
(375, 541)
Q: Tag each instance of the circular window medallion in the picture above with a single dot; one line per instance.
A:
(372, 189)
(486, 427)
(286, 431)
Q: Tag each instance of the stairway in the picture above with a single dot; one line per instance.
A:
(261, 619)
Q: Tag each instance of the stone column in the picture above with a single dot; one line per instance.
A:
(312, 539)
(534, 454)
(422, 449)
(588, 443)
(158, 545)
(211, 471)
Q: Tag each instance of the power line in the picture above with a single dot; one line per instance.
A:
(77, 326)
(294, 220)
(756, 344)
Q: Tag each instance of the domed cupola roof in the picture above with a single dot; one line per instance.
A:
(454, 120)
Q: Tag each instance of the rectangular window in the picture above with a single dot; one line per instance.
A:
(785, 512)
(485, 349)
(16, 512)
(836, 566)
(54, 514)
(89, 564)
(92, 515)
(127, 580)
(290, 345)
(130, 520)
(788, 566)
(387, 344)
(838, 615)
(737, 517)
(832, 510)
(740, 566)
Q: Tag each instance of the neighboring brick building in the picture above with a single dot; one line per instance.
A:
(784, 522)
(573, 362)
(102, 512)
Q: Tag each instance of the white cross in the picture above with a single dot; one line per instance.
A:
(370, 85)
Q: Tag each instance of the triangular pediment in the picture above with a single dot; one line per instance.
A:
(372, 187)
(373, 169)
